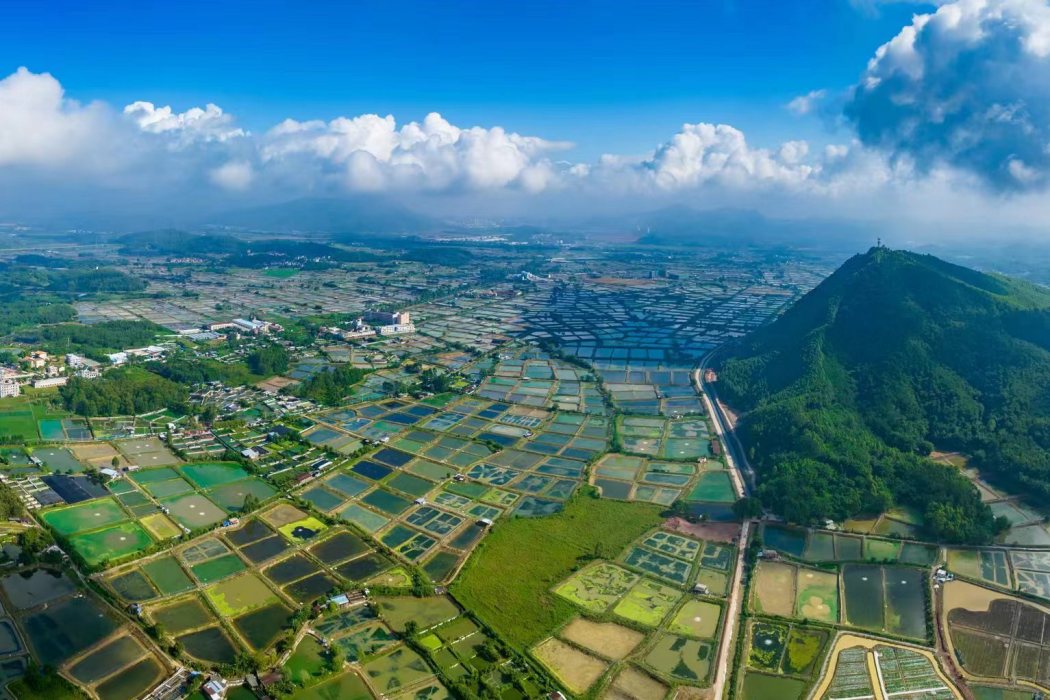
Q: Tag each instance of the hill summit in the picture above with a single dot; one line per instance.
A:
(893, 355)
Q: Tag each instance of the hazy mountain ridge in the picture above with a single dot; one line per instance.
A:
(328, 215)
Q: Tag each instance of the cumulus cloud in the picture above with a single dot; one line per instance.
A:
(703, 152)
(40, 126)
(804, 104)
(209, 123)
(965, 87)
(375, 153)
(145, 147)
(712, 154)
(916, 124)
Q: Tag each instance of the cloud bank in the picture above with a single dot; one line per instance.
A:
(956, 105)
(149, 150)
(967, 87)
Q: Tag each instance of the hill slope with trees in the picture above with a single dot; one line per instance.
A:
(846, 394)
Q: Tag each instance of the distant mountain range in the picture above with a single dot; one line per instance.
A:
(354, 215)
(682, 225)
(893, 355)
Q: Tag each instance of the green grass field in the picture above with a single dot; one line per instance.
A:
(507, 581)
(19, 417)
(17, 422)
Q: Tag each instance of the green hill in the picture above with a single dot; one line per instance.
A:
(893, 354)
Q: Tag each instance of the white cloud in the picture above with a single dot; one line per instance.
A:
(40, 126)
(236, 175)
(717, 154)
(966, 87)
(209, 123)
(804, 104)
(202, 153)
(431, 155)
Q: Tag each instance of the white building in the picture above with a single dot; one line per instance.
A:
(9, 387)
(252, 326)
(389, 318)
(152, 352)
(48, 383)
(397, 329)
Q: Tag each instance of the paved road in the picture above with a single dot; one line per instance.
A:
(734, 451)
(724, 660)
(743, 482)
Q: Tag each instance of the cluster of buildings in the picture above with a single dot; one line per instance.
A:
(252, 326)
(150, 352)
(42, 370)
(237, 326)
(374, 323)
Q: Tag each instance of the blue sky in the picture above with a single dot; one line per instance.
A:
(936, 112)
(610, 76)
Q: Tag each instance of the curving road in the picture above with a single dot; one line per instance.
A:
(739, 467)
(743, 483)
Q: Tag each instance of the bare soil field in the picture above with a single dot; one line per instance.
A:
(775, 588)
(713, 532)
(577, 670)
(607, 639)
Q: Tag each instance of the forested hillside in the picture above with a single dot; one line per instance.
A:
(891, 356)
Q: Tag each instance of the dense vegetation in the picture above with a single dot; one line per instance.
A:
(331, 386)
(92, 340)
(234, 251)
(186, 369)
(10, 504)
(81, 280)
(440, 255)
(179, 243)
(268, 360)
(507, 581)
(39, 683)
(21, 313)
(122, 392)
(892, 355)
